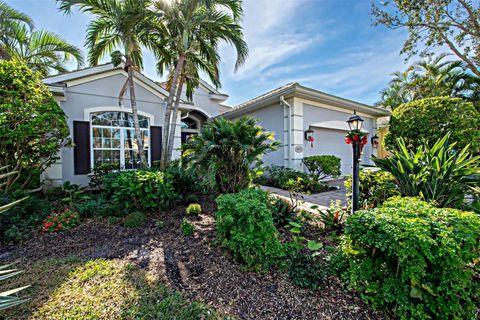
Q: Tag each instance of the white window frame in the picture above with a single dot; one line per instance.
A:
(88, 117)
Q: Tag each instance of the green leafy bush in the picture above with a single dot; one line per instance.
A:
(438, 173)
(60, 221)
(307, 270)
(323, 166)
(428, 120)
(191, 198)
(134, 219)
(140, 190)
(375, 187)
(193, 209)
(100, 171)
(96, 206)
(187, 228)
(279, 177)
(282, 211)
(33, 127)
(245, 227)
(415, 259)
(184, 181)
(228, 152)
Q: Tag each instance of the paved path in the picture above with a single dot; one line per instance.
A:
(322, 199)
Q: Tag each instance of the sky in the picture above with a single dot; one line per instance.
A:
(328, 45)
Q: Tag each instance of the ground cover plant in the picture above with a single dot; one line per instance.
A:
(61, 220)
(415, 259)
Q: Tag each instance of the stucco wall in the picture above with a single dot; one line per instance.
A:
(102, 93)
(202, 100)
(330, 141)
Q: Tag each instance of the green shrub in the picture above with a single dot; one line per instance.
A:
(113, 220)
(193, 209)
(60, 220)
(438, 173)
(282, 211)
(323, 166)
(428, 120)
(415, 259)
(191, 198)
(100, 171)
(142, 190)
(97, 206)
(184, 181)
(306, 270)
(134, 219)
(187, 228)
(228, 152)
(375, 187)
(245, 228)
(279, 177)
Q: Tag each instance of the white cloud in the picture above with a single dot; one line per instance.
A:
(273, 35)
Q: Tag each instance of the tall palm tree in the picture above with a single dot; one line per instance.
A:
(8, 17)
(119, 24)
(40, 50)
(195, 28)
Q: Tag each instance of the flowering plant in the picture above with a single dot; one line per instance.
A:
(61, 220)
(356, 136)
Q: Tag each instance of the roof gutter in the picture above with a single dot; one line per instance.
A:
(285, 103)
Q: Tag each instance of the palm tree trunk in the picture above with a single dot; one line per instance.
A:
(136, 124)
(168, 112)
(173, 126)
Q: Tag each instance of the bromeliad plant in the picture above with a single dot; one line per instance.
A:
(61, 221)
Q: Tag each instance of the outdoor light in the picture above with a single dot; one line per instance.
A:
(375, 141)
(357, 139)
(355, 122)
(309, 136)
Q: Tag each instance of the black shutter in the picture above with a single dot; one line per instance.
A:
(155, 144)
(81, 151)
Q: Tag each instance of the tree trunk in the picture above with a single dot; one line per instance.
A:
(168, 111)
(133, 101)
(173, 126)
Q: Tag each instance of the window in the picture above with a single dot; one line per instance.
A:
(114, 141)
(189, 123)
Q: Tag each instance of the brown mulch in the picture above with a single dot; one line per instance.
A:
(198, 268)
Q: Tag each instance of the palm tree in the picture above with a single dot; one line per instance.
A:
(431, 78)
(118, 24)
(8, 17)
(194, 30)
(40, 50)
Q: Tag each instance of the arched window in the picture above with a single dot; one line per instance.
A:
(114, 141)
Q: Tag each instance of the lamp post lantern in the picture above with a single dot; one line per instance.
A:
(355, 138)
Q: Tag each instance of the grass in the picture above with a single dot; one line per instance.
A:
(99, 289)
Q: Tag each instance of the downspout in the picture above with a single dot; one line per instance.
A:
(282, 99)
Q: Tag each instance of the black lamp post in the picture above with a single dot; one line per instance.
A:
(355, 123)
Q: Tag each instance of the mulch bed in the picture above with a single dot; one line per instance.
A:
(198, 268)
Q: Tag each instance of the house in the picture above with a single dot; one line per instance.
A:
(101, 126)
(292, 110)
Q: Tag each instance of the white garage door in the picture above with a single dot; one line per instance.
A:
(331, 142)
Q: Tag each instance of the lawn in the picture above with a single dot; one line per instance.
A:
(100, 270)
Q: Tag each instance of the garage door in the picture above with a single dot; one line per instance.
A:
(331, 142)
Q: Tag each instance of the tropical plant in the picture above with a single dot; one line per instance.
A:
(118, 23)
(333, 218)
(33, 128)
(281, 177)
(427, 120)
(431, 77)
(229, 151)
(245, 228)
(432, 24)
(190, 34)
(375, 187)
(438, 174)
(41, 50)
(415, 259)
(323, 166)
(10, 17)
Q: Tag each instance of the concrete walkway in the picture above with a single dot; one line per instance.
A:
(322, 199)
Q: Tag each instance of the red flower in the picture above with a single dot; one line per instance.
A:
(348, 140)
(356, 138)
(364, 140)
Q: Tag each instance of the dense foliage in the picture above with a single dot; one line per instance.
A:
(245, 227)
(229, 151)
(33, 127)
(134, 219)
(60, 221)
(415, 259)
(281, 177)
(375, 187)
(438, 173)
(323, 166)
(428, 120)
(140, 190)
(307, 270)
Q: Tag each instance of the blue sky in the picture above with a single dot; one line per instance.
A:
(325, 44)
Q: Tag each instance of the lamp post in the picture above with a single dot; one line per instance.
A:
(355, 124)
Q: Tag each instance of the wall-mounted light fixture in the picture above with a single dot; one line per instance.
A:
(375, 140)
(309, 136)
